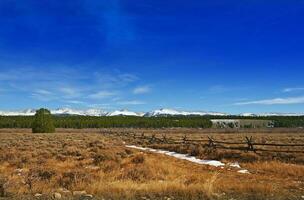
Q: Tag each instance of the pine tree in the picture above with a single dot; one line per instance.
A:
(43, 122)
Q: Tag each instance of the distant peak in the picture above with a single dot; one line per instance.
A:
(126, 112)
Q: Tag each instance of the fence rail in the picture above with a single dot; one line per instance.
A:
(247, 145)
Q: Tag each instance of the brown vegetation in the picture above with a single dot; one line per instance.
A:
(236, 148)
(99, 164)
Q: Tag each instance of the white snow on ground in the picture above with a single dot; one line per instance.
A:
(236, 165)
(187, 157)
(244, 171)
(180, 156)
(225, 120)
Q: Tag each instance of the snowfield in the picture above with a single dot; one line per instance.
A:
(189, 158)
(180, 156)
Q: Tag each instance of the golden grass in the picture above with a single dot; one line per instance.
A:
(103, 167)
(276, 136)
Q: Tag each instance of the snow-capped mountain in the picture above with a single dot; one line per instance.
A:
(154, 113)
(280, 114)
(59, 111)
(247, 115)
(68, 111)
(28, 112)
(125, 113)
(168, 112)
(270, 114)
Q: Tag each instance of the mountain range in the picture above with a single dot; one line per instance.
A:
(154, 113)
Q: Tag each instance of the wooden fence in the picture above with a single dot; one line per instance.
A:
(248, 145)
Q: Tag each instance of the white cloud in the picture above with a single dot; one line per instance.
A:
(116, 99)
(114, 80)
(69, 92)
(296, 89)
(32, 74)
(75, 102)
(43, 95)
(134, 102)
(62, 84)
(43, 92)
(56, 94)
(141, 89)
(102, 95)
(275, 101)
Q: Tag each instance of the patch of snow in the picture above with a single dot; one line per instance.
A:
(214, 163)
(243, 171)
(236, 165)
(225, 120)
(187, 157)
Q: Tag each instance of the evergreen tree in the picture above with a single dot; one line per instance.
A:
(43, 122)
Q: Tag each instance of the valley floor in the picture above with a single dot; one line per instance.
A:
(87, 164)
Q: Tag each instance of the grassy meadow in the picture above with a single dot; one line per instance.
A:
(95, 164)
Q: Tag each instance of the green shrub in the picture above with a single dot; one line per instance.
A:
(43, 122)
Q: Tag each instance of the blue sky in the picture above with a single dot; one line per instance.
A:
(227, 56)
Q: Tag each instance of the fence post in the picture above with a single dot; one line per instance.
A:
(152, 140)
(250, 144)
(165, 138)
(185, 139)
(211, 143)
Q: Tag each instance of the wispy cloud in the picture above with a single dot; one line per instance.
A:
(43, 92)
(69, 92)
(295, 89)
(74, 102)
(115, 79)
(142, 89)
(73, 85)
(275, 101)
(32, 74)
(133, 102)
(102, 95)
(43, 95)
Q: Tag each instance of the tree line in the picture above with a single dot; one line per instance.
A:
(139, 122)
(108, 122)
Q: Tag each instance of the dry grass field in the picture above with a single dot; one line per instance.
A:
(95, 164)
(197, 149)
